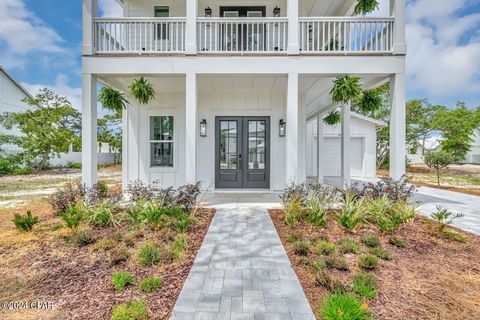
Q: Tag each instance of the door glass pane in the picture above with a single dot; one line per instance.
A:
(256, 144)
(228, 144)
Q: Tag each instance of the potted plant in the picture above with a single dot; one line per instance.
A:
(365, 6)
(142, 90)
(112, 99)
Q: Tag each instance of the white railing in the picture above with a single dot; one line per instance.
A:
(139, 35)
(242, 35)
(346, 35)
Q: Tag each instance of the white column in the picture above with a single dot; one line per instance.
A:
(292, 15)
(292, 136)
(302, 138)
(89, 130)
(191, 27)
(397, 126)
(345, 145)
(89, 11)
(191, 125)
(320, 147)
(397, 10)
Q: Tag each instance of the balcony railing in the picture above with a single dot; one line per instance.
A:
(139, 35)
(322, 35)
(346, 35)
(242, 35)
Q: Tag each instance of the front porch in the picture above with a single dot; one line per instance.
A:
(271, 160)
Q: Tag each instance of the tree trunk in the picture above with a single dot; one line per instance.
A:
(438, 176)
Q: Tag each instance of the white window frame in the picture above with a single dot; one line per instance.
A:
(256, 14)
(228, 14)
(173, 141)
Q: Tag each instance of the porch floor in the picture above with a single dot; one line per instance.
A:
(242, 270)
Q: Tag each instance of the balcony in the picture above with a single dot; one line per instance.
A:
(239, 36)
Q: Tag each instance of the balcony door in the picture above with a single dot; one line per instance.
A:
(242, 152)
(243, 36)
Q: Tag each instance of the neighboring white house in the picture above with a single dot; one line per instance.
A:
(474, 155)
(363, 148)
(251, 72)
(11, 95)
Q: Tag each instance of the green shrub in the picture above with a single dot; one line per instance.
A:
(10, 164)
(65, 197)
(347, 245)
(337, 261)
(364, 284)
(326, 280)
(177, 247)
(377, 207)
(444, 217)
(403, 211)
(371, 240)
(318, 264)
(83, 238)
(381, 253)
(72, 216)
(368, 262)
(149, 254)
(74, 165)
(26, 222)
(151, 284)
(102, 215)
(318, 208)
(293, 209)
(352, 212)
(397, 242)
(183, 222)
(133, 310)
(118, 255)
(121, 279)
(325, 247)
(301, 247)
(343, 306)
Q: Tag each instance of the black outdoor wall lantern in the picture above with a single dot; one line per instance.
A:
(276, 12)
(203, 128)
(208, 12)
(282, 128)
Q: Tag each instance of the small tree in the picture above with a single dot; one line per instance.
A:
(48, 128)
(438, 160)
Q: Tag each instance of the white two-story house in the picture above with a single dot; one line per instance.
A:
(236, 82)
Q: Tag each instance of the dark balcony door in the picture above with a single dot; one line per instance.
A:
(242, 36)
(242, 152)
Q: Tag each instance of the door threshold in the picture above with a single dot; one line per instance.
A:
(240, 190)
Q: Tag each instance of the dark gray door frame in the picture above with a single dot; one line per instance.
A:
(242, 176)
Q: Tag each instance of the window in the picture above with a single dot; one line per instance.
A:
(161, 141)
(162, 28)
(230, 14)
(254, 14)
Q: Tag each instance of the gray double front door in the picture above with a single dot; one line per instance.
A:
(242, 152)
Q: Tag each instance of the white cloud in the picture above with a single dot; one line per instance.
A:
(443, 49)
(22, 32)
(110, 8)
(61, 87)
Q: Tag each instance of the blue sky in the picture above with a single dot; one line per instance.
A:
(40, 45)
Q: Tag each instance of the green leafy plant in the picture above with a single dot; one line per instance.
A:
(377, 208)
(397, 242)
(318, 208)
(149, 254)
(368, 262)
(142, 90)
(343, 306)
(346, 89)
(325, 247)
(301, 247)
(184, 221)
(177, 247)
(72, 217)
(370, 101)
(102, 215)
(121, 279)
(364, 284)
(381, 253)
(352, 212)
(26, 222)
(83, 238)
(332, 118)
(325, 279)
(151, 284)
(112, 99)
(347, 245)
(293, 209)
(337, 261)
(370, 240)
(133, 310)
(365, 6)
(444, 217)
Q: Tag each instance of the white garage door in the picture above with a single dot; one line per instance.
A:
(332, 157)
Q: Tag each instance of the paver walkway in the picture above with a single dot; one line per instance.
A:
(242, 271)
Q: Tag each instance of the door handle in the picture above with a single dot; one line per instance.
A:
(239, 160)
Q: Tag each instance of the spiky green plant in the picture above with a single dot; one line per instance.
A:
(346, 89)
(365, 6)
(142, 90)
(332, 118)
(370, 100)
(112, 99)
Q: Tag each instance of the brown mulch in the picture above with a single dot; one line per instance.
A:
(43, 266)
(432, 278)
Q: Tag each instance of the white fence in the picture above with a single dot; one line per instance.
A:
(242, 35)
(346, 35)
(148, 35)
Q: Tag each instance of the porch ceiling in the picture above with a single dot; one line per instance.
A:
(162, 84)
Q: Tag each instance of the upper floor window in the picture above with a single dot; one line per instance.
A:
(161, 141)
(162, 28)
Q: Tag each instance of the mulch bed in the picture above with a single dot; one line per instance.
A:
(43, 266)
(432, 278)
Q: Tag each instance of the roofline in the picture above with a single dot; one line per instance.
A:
(379, 123)
(16, 83)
